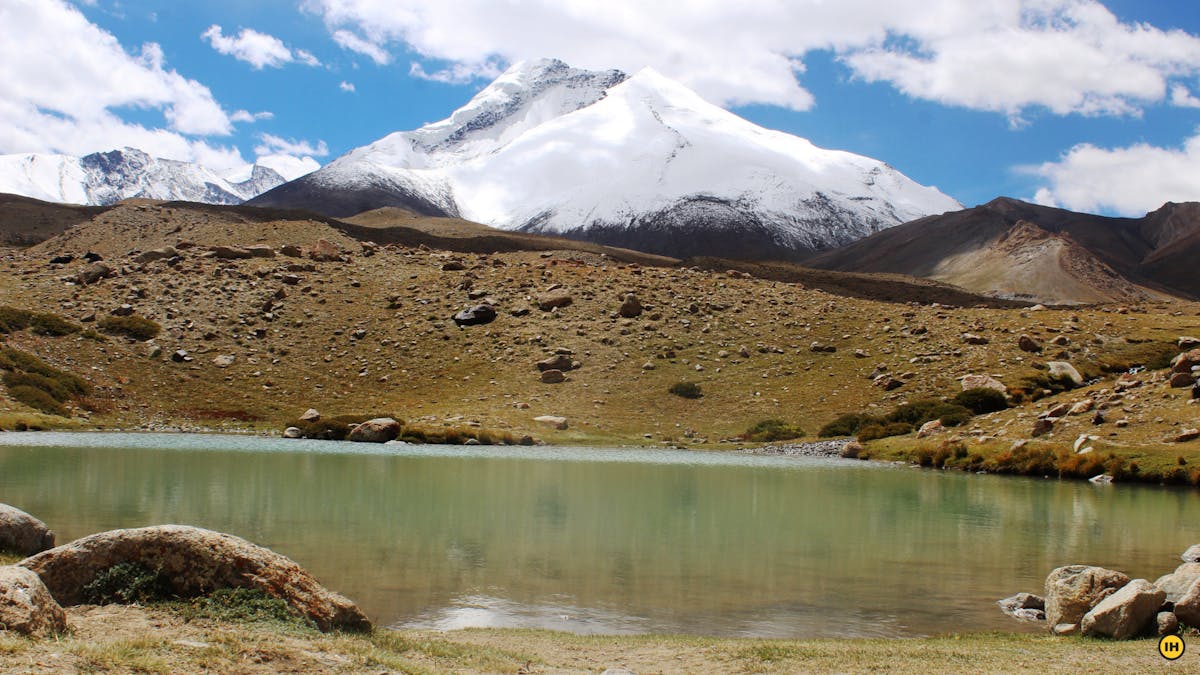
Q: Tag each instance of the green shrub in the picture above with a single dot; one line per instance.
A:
(772, 430)
(37, 399)
(17, 360)
(127, 583)
(249, 605)
(848, 425)
(927, 410)
(982, 400)
(13, 319)
(874, 431)
(137, 327)
(686, 390)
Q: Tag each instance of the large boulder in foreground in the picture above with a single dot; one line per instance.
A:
(1187, 607)
(21, 533)
(1127, 613)
(194, 562)
(1073, 590)
(26, 607)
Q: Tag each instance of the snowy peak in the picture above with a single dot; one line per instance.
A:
(640, 161)
(103, 178)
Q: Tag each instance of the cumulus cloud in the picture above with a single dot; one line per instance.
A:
(260, 50)
(249, 117)
(275, 145)
(1183, 98)
(64, 78)
(1067, 56)
(346, 86)
(1127, 181)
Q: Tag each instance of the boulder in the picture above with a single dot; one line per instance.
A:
(1028, 344)
(1192, 554)
(930, 428)
(1167, 623)
(1185, 361)
(553, 376)
(325, 251)
(94, 272)
(1064, 628)
(983, 382)
(156, 254)
(291, 251)
(475, 316)
(26, 606)
(1129, 612)
(1178, 583)
(21, 533)
(1024, 607)
(224, 360)
(193, 562)
(260, 251)
(310, 415)
(1188, 342)
(630, 307)
(1187, 607)
(1061, 370)
(1042, 426)
(973, 339)
(555, 421)
(378, 430)
(1073, 590)
(554, 299)
(1181, 380)
(293, 432)
(1186, 435)
(557, 362)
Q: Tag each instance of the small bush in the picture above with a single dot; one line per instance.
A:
(127, 583)
(772, 430)
(686, 390)
(37, 399)
(249, 605)
(51, 387)
(848, 425)
(13, 319)
(875, 431)
(137, 327)
(927, 410)
(981, 400)
(16, 360)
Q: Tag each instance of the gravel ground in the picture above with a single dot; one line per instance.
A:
(831, 448)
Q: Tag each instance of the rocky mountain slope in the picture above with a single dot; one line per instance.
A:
(635, 161)
(104, 178)
(1012, 249)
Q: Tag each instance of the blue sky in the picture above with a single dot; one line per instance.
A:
(1085, 104)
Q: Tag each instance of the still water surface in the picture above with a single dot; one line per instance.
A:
(612, 541)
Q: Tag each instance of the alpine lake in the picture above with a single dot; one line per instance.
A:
(614, 541)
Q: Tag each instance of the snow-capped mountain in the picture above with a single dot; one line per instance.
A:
(108, 177)
(638, 161)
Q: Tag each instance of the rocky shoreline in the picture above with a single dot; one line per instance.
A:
(829, 448)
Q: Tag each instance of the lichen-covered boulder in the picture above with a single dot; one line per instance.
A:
(1073, 590)
(21, 533)
(26, 607)
(1129, 612)
(193, 562)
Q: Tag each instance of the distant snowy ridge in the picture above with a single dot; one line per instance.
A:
(108, 177)
(639, 161)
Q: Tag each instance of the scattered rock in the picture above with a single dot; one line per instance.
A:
(1187, 435)
(1126, 613)
(930, 428)
(180, 356)
(230, 252)
(26, 606)
(1028, 344)
(224, 360)
(475, 316)
(557, 362)
(555, 421)
(1060, 370)
(378, 430)
(630, 307)
(193, 562)
(1065, 628)
(260, 251)
(553, 376)
(122, 310)
(821, 348)
(973, 339)
(310, 415)
(1042, 426)
(1178, 583)
(1073, 590)
(554, 299)
(1167, 623)
(453, 266)
(292, 432)
(983, 382)
(62, 259)
(291, 251)
(21, 533)
(1182, 380)
(1084, 406)
(95, 272)
(1061, 341)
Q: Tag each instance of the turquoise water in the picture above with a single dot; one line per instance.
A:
(612, 541)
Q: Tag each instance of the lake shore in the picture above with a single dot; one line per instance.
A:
(153, 639)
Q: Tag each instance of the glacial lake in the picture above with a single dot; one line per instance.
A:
(612, 540)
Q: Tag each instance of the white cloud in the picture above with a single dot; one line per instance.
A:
(354, 43)
(249, 117)
(458, 73)
(1180, 96)
(1128, 181)
(274, 145)
(288, 166)
(1068, 56)
(346, 86)
(260, 50)
(64, 79)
